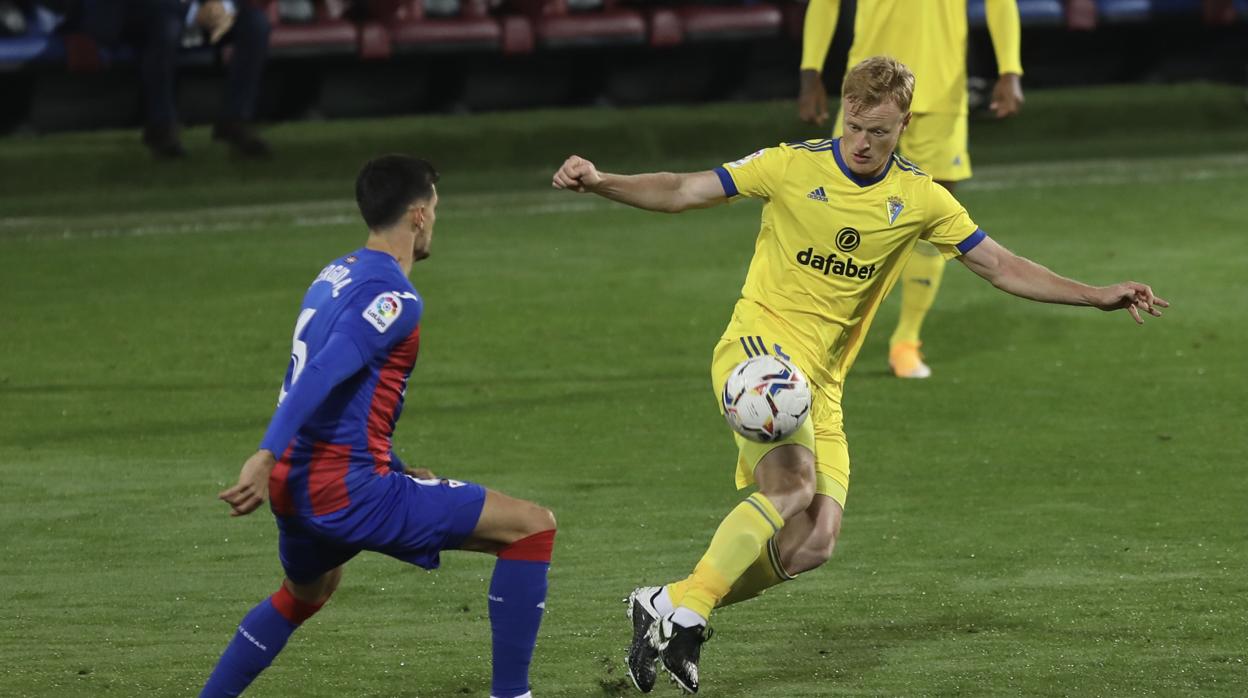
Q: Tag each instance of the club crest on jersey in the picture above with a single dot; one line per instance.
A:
(818, 194)
(747, 158)
(383, 310)
(895, 205)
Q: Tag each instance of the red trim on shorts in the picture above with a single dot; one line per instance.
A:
(279, 494)
(293, 609)
(327, 487)
(535, 548)
(391, 381)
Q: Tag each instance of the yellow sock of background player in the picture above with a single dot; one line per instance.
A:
(765, 572)
(736, 545)
(920, 281)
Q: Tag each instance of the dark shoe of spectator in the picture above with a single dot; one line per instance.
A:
(163, 142)
(242, 139)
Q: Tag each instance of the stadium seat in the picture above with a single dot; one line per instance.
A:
(1031, 13)
(730, 22)
(39, 45)
(43, 45)
(664, 27)
(17, 52)
(1081, 15)
(328, 34)
(462, 28)
(1123, 11)
(1219, 12)
(1177, 8)
(556, 25)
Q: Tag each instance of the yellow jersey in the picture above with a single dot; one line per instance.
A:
(830, 247)
(929, 36)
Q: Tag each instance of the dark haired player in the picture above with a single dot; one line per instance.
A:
(326, 465)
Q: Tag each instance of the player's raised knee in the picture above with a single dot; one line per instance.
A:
(536, 539)
(541, 519)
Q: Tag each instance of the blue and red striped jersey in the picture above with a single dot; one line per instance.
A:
(355, 343)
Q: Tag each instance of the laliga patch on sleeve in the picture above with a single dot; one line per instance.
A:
(747, 158)
(383, 310)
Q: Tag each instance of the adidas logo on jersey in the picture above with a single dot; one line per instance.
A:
(818, 195)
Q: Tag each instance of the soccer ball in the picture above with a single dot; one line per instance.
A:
(766, 398)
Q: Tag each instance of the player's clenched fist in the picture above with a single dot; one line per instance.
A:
(577, 174)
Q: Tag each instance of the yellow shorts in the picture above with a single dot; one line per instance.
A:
(937, 143)
(822, 431)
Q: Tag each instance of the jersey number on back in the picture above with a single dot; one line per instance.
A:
(298, 353)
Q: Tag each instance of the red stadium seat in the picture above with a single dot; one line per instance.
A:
(727, 22)
(1219, 12)
(410, 29)
(328, 34)
(1081, 15)
(556, 26)
(665, 27)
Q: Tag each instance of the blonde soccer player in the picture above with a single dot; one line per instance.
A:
(840, 219)
(929, 37)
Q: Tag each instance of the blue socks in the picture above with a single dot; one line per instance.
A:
(261, 635)
(517, 601)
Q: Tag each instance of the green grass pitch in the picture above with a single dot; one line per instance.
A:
(1062, 510)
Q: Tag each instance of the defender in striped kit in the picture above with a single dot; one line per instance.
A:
(327, 467)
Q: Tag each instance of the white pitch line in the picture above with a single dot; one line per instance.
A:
(334, 212)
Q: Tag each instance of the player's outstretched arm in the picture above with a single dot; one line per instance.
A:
(666, 192)
(1026, 279)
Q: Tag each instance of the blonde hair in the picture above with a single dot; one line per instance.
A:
(877, 79)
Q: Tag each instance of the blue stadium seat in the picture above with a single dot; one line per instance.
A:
(1177, 8)
(1142, 10)
(1123, 11)
(39, 45)
(1031, 13)
(19, 51)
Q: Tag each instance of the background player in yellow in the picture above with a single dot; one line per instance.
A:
(839, 220)
(929, 37)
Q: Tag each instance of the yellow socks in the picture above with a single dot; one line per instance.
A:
(765, 572)
(920, 280)
(735, 548)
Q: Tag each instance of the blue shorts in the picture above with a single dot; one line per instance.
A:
(397, 515)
